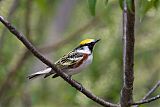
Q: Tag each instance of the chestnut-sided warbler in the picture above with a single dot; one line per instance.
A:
(73, 62)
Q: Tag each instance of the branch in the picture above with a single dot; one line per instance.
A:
(147, 100)
(128, 54)
(152, 90)
(149, 93)
(13, 70)
(73, 83)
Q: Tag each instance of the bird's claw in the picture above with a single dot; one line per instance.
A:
(69, 77)
(81, 87)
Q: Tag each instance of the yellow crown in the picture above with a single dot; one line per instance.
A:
(86, 41)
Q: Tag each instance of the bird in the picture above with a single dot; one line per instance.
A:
(73, 62)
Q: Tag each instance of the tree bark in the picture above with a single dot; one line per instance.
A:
(128, 53)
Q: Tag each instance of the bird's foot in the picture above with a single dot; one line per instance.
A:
(69, 77)
(81, 87)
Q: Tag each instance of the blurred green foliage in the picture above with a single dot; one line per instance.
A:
(104, 76)
(92, 6)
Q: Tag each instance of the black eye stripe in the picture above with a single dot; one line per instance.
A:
(90, 45)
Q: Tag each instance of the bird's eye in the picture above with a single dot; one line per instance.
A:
(81, 48)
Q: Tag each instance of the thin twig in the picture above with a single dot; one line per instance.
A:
(150, 92)
(128, 54)
(73, 83)
(147, 100)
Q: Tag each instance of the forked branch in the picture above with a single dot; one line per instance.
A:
(145, 100)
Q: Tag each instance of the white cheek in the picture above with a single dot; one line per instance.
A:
(84, 50)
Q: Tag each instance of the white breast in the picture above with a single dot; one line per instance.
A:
(84, 65)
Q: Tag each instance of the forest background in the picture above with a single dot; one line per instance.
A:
(56, 27)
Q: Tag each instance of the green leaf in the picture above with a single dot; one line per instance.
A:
(106, 2)
(121, 4)
(145, 6)
(129, 5)
(92, 6)
(156, 4)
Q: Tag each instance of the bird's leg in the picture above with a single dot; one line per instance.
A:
(69, 77)
(81, 87)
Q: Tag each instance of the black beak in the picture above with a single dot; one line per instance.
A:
(91, 45)
(97, 40)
